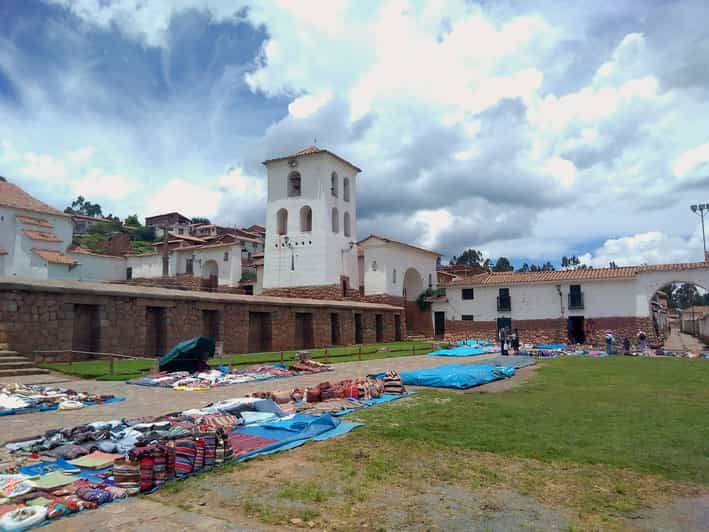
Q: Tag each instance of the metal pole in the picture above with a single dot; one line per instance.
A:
(704, 237)
(165, 255)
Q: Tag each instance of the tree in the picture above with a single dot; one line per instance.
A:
(469, 257)
(132, 220)
(503, 265)
(686, 295)
(81, 206)
(200, 220)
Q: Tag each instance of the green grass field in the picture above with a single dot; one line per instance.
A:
(129, 369)
(650, 415)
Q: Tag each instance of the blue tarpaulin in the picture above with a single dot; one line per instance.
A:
(458, 376)
(552, 347)
(290, 433)
(473, 342)
(461, 351)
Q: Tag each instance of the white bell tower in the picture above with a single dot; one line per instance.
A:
(311, 221)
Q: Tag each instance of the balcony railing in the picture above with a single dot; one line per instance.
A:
(576, 300)
(504, 303)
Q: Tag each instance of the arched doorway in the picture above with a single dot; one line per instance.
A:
(418, 320)
(678, 310)
(413, 284)
(210, 275)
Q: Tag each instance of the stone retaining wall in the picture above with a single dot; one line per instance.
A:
(38, 319)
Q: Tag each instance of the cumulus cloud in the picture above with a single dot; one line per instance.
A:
(646, 248)
(517, 127)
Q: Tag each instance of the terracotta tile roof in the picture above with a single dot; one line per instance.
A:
(56, 257)
(29, 220)
(83, 251)
(589, 274)
(14, 197)
(185, 237)
(310, 150)
(41, 236)
(389, 240)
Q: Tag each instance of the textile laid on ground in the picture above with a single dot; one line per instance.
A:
(24, 398)
(464, 351)
(184, 381)
(475, 343)
(73, 469)
(516, 361)
(458, 376)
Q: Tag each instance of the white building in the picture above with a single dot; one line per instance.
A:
(36, 242)
(573, 302)
(311, 221)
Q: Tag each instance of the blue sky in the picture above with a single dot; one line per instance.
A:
(528, 129)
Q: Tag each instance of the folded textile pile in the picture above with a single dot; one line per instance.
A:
(23, 398)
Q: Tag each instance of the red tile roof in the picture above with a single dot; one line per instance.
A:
(310, 150)
(14, 197)
(29, 220)
(41, 236)
(588, 274)
(56, 257)
(389, 240)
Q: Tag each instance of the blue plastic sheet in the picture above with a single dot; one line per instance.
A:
(295, 431)
(552, 347)
(461, 351)
(473, 342)
(457, 376)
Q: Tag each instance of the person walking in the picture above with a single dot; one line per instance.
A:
(503, 341)
(610, 339)
(515, 342)
(642, 341)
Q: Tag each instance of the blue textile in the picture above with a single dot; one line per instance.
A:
(553, 347)
(42, 468)
(473, 342)
(460, 351)
(46, 408)
(296, 431)
(458, 376)
(373, 402)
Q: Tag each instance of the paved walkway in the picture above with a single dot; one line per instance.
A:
(147, 401)
(679, 341)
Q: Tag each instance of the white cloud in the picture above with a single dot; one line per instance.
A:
(561, 169)
(97, 184)
(81, 154)
(434, 222)
(646, 248)
(691, 159)
(304, 106)
(247, 188)
(185, 197)
(43, 167)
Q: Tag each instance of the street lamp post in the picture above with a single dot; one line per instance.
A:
(700, 208)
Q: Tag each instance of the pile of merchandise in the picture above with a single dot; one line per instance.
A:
(341, 397)
(68, 470)
(23, 398)
(223, 376)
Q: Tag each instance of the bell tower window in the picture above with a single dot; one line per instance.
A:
(282, 221)
(333, 184)
(294, 184)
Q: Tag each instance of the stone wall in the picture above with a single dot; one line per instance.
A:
(331, 292)
(555, 330)
(183, 281)
(37, 319)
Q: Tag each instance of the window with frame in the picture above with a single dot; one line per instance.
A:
(333, 184)
(226, 256)
(467, 317)
(467, 293)
(346, 189)
(294, 184)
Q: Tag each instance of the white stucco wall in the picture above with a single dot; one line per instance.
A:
(20, 260)
(147, 266)
(97, 268)
(318, 257)
(602, 298)
(390, 256)
(229, 271)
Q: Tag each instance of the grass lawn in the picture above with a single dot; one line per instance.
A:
(598, 441)
(129, 369)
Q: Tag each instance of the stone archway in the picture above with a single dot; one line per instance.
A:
(412, 285)
(418, 321)
(677, 312)
(210, 275)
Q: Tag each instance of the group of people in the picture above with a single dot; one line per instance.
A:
(508, 340)
(641, 343)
